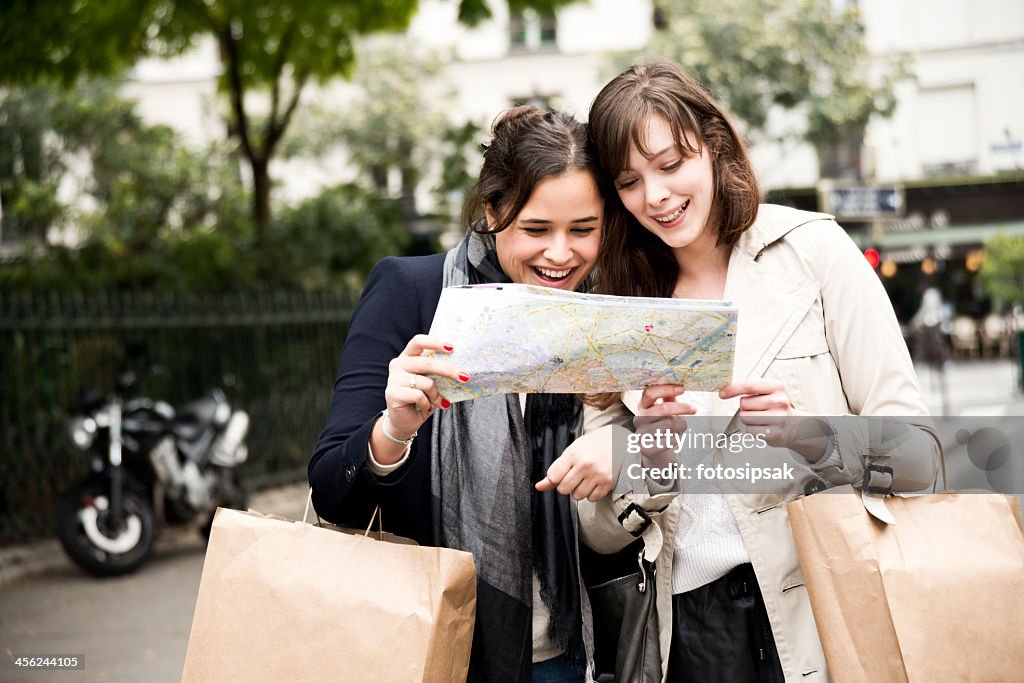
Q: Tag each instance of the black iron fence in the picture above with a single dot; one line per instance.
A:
(274, 354)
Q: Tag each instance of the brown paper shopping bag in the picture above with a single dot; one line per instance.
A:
(290, 601)
(938, 595)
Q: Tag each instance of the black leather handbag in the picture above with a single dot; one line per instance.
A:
(626, 645)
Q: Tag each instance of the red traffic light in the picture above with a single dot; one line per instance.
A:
(872, 256)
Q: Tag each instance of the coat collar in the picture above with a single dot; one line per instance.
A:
(773, 222)
(771, 301)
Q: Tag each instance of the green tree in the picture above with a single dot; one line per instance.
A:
(131, 181)
(393, 128)
(154, 214)
(275, 47)
(145, 206)
(803, 55)
(331, 241)
(1003, 268)
(30, 169)
(461, 160)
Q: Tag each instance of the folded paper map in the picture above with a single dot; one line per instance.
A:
(524, 338)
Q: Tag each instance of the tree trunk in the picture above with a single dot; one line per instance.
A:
(409, 178)
(379, 178)
(260, 198)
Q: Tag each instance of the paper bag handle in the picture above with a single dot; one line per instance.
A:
(309, 504)
(379, 516)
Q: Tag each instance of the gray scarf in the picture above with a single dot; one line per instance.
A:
(485, 457)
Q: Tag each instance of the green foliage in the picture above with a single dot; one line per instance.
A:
(1003, 268)
(459, 150)
(332, 241)
(204, 261)
(270, 46)
(152, 214)
(391, 122)
(55, 40)
(472, 12)
(394, 126)
(44, 39)
(30, 169)
(794, 54)
(328, 242)
(128, 181)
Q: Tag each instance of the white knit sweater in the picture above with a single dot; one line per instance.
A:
(708, 544)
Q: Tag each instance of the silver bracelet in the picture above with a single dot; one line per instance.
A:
(384, 428)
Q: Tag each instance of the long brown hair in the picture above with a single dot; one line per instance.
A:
(633, 261)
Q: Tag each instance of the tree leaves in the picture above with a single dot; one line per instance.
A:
(1003, 268)
(795, 54)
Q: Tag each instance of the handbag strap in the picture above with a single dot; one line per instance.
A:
(646, 571)
(942, 464)
(869, 485)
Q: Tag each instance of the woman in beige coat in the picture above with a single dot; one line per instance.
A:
(816, 336)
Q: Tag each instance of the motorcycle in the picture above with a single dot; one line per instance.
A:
(150, 464)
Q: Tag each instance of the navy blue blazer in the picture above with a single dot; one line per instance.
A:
(397, 303)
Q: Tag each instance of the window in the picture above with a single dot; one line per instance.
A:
(946, 130)
(529, 30)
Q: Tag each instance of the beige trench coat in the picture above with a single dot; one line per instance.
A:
(814, 315)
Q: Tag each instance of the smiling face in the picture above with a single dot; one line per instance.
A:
(670, 193)
(553, 241)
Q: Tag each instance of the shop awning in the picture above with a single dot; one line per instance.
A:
(960, 234)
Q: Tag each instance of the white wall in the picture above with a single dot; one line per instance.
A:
(488, 76)
(584, 28)
(966, 103)
(181, 93)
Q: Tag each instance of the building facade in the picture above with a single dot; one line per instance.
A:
(952, 151)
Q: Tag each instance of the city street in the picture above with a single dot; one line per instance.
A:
(130, 629)
(135, 628)
(982, 388)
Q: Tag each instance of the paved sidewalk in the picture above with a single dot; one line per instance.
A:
(128, 628)
(980, 388)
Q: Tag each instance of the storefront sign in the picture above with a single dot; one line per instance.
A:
(846, 202)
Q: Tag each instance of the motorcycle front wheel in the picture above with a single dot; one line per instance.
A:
(92, 539)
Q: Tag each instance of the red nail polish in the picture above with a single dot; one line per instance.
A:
(445, 403)
(449, 348)
(464, 377)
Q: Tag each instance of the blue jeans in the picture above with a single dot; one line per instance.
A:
(555, 670)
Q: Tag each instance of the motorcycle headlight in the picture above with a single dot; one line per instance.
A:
(82, 431)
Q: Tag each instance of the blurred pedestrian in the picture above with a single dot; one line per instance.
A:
(930, 328)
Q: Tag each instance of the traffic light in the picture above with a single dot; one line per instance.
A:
(873, 257)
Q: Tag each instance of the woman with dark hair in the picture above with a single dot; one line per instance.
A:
(462, 476)
(816, 336)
